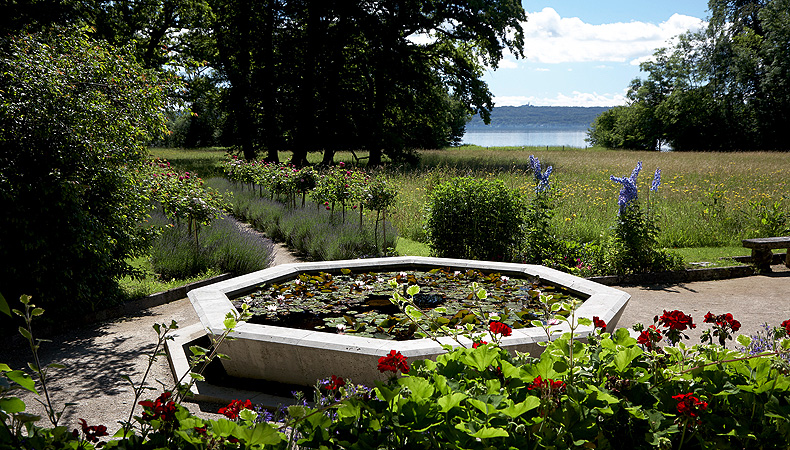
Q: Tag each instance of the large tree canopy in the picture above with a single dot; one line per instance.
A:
(271, 75)
(381, 75)
(724, 88)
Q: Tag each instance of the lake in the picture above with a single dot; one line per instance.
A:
(526, 137)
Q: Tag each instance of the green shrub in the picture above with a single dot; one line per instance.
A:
(75, 119)
(475, 219)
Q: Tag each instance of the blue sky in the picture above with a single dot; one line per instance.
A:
(585, 53)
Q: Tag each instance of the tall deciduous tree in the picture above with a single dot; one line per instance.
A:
(724, 88)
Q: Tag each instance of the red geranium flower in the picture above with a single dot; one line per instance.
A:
(649, 337)
(162, 409)
(786, 326)
(552, 385)
(393, 362)
(94, 432)
(689, 405)
(335, 383)
(676, 320)
(499, 328)
(598, 323)
(234, 408)
(478, 344)
(723, 325)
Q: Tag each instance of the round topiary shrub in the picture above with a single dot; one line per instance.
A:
(475, 219)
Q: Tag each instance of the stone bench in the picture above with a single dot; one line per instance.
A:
(761, 250)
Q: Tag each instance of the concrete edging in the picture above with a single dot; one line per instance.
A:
(688, 275)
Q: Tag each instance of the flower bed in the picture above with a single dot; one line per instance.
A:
(297, 356)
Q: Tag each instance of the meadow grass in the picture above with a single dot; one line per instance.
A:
(707, 199)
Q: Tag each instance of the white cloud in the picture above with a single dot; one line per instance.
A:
(542, 69)
(507, 63)
(550, 38)
(576, 98)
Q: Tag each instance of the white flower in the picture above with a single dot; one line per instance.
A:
(457, 272)
(297, 282)
(271, 307)
(505, 279)
(280, 298)
(403, 274)
(341, 328)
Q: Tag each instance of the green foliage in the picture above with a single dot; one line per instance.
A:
(634, 247)
(475, 219)
(312, 230)
(723, 88)
(608, 393)
(75, 117)
(224, 247)
(541, 245)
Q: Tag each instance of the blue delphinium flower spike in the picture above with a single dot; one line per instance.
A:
(656, 181)
(628, 192)
(541, 178)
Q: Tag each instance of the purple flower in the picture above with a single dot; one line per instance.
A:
(656, 181)
(541, 178)
(628, 192)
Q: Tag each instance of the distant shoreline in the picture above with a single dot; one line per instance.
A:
(527, 127)
(538, 118)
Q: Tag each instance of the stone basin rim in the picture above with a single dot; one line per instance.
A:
(303, 348)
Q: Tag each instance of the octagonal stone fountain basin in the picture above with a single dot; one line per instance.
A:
(295, 356)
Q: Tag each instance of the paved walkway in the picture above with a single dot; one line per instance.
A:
(97, 356)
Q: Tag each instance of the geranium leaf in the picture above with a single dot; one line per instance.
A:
(518, 409)
(448, 402)
(489, 432)
(223, 427)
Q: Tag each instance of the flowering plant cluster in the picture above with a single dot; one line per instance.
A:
(724, 325)
(340, 187)
(393, 362)
(676, 322)
(541, 178)
(234, 408)
(183, 196)
(634, 246)
(689, 406)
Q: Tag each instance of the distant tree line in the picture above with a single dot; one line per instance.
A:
(726, 87)
(270, 75)
(545, 116)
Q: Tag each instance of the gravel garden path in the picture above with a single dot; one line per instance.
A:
(97, 356)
